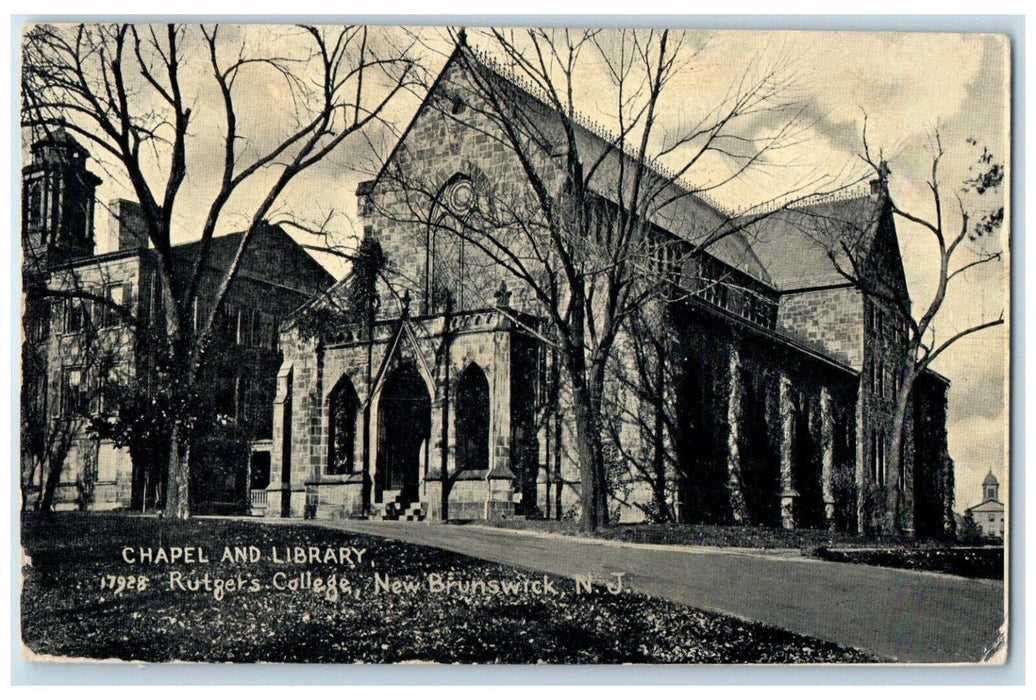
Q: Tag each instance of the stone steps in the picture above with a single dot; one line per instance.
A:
(394, 508)
(415, 511)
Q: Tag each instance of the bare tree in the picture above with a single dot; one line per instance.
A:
(591, 212)
(963, 225)
(639, 413)
(132, 91)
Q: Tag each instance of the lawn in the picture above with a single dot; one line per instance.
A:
(972, 562)
(750, 536)
(923, 555)
(65, 611)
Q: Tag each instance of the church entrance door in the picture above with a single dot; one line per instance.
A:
(404, 422)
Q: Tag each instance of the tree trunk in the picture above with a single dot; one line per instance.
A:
(895, 455)
(592, 518)
(185, 372)
(587, 413)
(588, 444)
(368, 477)
(26, 485)
(51, 485)
(658, 465)
(177, 498)
(596, 403)
(658, 456)
(54, 462)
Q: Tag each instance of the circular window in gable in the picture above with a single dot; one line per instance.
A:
(460, 197)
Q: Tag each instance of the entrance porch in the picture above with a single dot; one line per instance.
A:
(421, 419)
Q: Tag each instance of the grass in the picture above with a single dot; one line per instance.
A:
(755, 537)
(66, 613)
(972, 562)
(924, 555)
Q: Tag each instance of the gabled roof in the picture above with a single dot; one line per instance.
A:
(293, 267)
(991, 501)
(221, 250)
(674, 207)
(788, 249)
(334, 294)
(671, 206)
(804, 247)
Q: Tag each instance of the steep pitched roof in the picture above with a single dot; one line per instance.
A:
(805, 246)
(272, 256)
(794, 248)
(333, 296)
(221, 250)
(672, 205)
(675, 207)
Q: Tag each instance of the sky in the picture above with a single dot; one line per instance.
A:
(908, 86)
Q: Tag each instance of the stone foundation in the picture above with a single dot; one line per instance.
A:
(336, 501)
(110, 495)
(468, 499)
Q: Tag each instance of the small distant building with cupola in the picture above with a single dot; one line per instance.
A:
(989, 514)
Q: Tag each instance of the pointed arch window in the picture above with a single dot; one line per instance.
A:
(344, 405)
(449, 225)
(472, 419)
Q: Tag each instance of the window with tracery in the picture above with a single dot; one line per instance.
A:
(451, 224)
(344, 405)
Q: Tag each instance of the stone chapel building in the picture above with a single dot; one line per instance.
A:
(445, 406)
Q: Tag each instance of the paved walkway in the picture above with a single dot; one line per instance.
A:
(894, 613)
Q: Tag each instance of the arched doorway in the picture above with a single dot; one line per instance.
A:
(404, 422)
(472, 419)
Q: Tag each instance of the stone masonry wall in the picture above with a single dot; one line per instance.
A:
(830, 320)
(438, 146)
(294, 400)
(67, 349)
(475, 338)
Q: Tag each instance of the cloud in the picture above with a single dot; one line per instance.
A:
(905, 81)
(979, 389)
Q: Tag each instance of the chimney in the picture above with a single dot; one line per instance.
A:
(127, 229)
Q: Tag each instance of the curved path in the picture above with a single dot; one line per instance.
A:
(905, 615)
